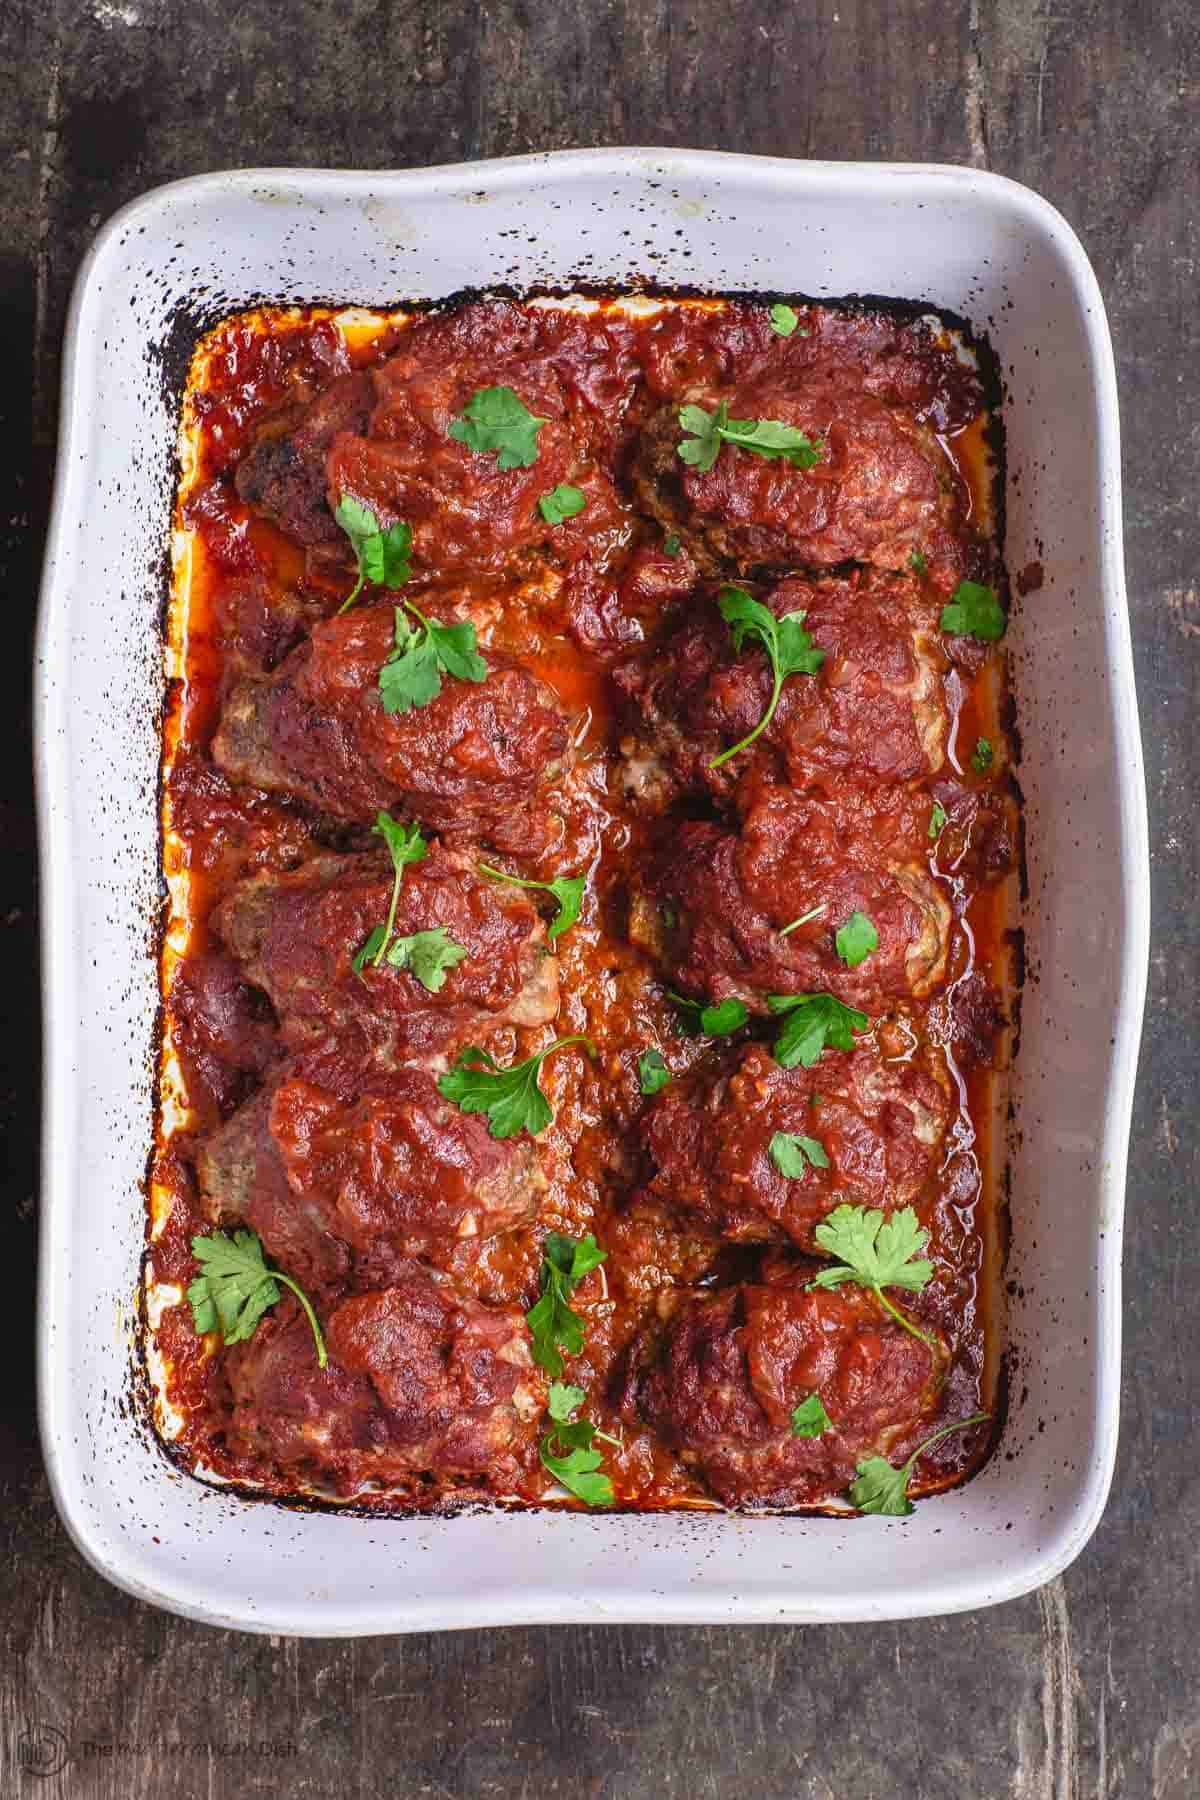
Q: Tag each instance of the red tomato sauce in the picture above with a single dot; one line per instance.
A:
(610, 591)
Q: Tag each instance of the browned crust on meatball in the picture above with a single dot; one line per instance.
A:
(718, 1376)
(422, 1380)
(880, 1124)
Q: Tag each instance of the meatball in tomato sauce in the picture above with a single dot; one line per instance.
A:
(750, 914)
(875, 709)
(872, 1134)
(342, 1171)
(300, 936)
(719, 1375)
(421, 1380)
(392, 438)
(874, 487)
(478, 759)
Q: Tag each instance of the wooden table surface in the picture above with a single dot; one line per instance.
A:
(1089, 1690)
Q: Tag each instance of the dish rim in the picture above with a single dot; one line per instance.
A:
(530, 1605)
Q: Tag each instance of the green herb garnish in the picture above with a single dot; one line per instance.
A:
(813, 1020)
(876, 1252)
(856, 939)
(918, 562)
(879, 1488)
(810, 1419)
(511, 1097)
(553, 1323)
(567, 890)
(653, 1073)
(784, 319)
(788, 646)
(567, 1449)
(497, 419)
(428, 955)
(973, 611)
(764, 437)
(236, 1286)
(382, 556)
(562, 502)
(982, 756)
(717, 1020)
(412, 674)
(937, 820)
(672, 544)
(792, 1154)
(405, 845)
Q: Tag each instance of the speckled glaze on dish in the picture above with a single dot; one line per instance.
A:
(967, 242)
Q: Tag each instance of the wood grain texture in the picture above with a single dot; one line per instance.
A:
(1087, 1691)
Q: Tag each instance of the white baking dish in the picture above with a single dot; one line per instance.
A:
(955, 237)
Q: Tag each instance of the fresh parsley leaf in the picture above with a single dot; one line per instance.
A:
(973, 611)
(810, 1419)
(382, 556)
(568, 1449)
(562, 502)
(856, 939)
(876, 1252)
(723, 1018)
(653, 1073)
(496, 418)
(937, 820)
(784, 319)
(405, 845)
(717, 1020)
(703, 446)
(412, 674)
(788, 646)
(813, 1020)
(552, 1322)
(577, 1469)
(792, 1154)
(879, 1488)
(511, 1098)
(235, 1287)
(982, 756)
(919, 562)
(774, 440)
(562, 1400)
(372, 948)
(672, 544)
(567, 890)
(764, 437)
(429, 955)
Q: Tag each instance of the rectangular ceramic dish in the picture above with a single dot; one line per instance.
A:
(184, 255)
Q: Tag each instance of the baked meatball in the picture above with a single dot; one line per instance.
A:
(296, 936)
(906, 362)
(716, 902)
(341, 1171)
(718, 1375)
(421, 1380)
(880, 489)
(383, 436)
(478, 760)
(874, 711)
(880, 1124)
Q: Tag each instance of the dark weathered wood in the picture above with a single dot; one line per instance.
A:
(1091, 1688)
